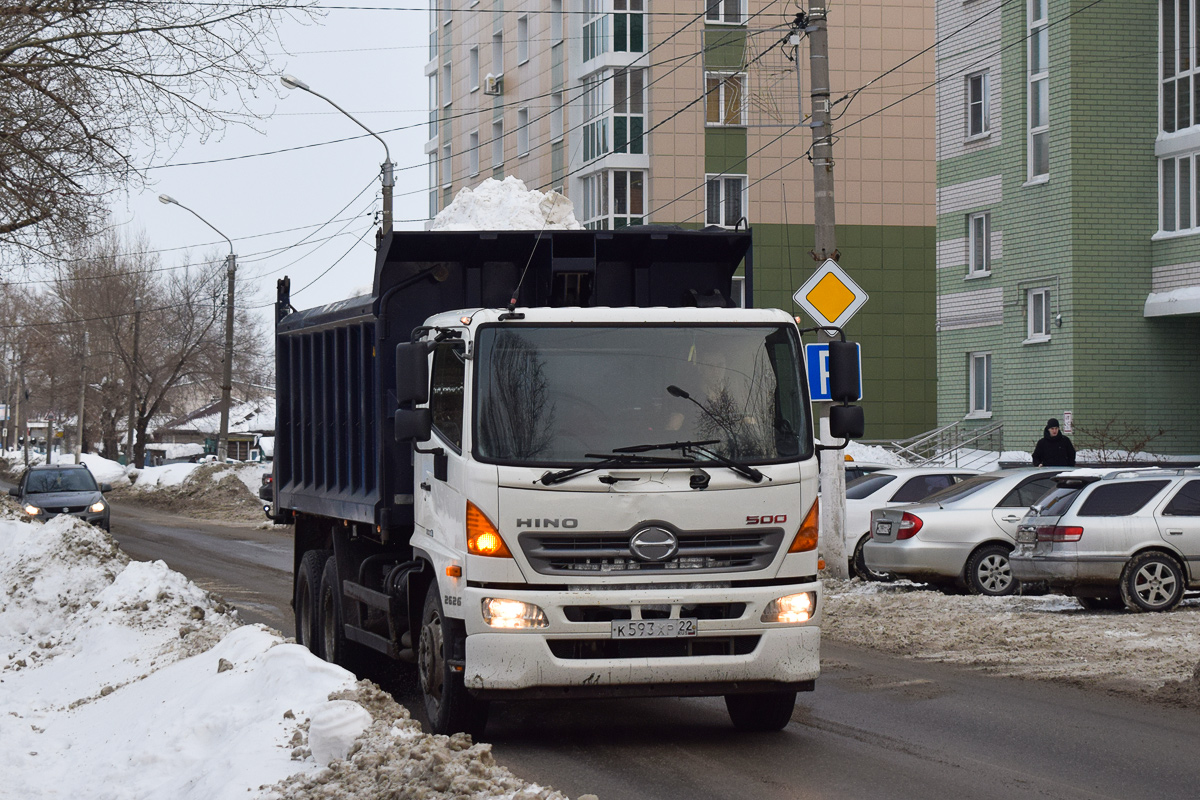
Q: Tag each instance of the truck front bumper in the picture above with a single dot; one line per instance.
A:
(571, 657)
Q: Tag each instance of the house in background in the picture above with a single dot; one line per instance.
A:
(247, 423)
(1068, 219)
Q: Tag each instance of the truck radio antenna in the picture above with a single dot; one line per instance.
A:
(512, 302)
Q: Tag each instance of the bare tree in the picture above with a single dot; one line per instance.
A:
(86, 83)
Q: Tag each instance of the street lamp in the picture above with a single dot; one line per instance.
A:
(227, 372)
(292, 82)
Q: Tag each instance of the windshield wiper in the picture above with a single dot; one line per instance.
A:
(687, 448)
(614, 459)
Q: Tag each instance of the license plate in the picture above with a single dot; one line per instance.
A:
(1026, 535)
(653, 628)
(883, 527)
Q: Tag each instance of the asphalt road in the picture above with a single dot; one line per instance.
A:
(876, 726)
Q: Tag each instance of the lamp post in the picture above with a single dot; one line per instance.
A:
(227, 367)
(292, 82)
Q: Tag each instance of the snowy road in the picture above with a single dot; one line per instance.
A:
(877, 725)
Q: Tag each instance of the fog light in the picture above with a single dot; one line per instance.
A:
(32, 511)
(794, 609)
(501, 613)
(96, 507)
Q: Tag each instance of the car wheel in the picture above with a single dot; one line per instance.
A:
(448, 705)
(306, 598)
(989, 573)
(1152, 582)
(1101, 603)
(860, 564)
(766, 711)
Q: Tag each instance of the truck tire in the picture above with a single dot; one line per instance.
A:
(331, 625)
(768, 711)
(450, 708)
(306, 598)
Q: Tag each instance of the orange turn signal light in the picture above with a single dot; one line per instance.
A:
(454, 571)
(482, 537)
(806, 537)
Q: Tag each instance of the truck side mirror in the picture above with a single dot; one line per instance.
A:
(413, 425)
(846, 422)
(412, 373)
(845, 377)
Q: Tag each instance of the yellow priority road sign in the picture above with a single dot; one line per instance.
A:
(830, 296)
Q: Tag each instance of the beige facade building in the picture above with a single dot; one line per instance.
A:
(669, 112)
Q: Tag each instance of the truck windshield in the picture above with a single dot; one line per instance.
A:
(551, 395)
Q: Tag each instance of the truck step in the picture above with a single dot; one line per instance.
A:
(356, 591)
(372, 640)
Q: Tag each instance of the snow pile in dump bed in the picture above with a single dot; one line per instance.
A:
(506, 205)
(123, 680)
(1048, 637)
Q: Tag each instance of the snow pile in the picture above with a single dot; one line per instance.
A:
(1050, 637)
(104, 470)
(873, 454)
(152, 479)
(123, 680)
(506, 205)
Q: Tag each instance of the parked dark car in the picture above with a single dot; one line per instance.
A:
(266, 492)
(48, 490)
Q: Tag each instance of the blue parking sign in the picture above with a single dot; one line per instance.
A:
(816, 357)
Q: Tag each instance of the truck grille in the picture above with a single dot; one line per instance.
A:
(707, 551)
(582, 649)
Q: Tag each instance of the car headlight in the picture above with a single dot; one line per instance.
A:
(96, 507)
(501, 613)
(32, 510)
(794, 608)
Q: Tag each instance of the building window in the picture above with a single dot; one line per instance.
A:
(447, 168)
(627, 26)
(724, 200)
(473, 153)
(981, 385)
(433, 32)
(522, 39)
(556, 116)
(628, 111)
(978, 111)
(1037, 308)
(433, 106)
(979, 244)
(446, 96)
(1179, 194)
(1039, 90)
(725, 100)
(738, 291)
(1179, 79)
(522, 131)
(473, 68)
(433, 185)
(595, 29)
(556, 21)
(613, 199)
(730, 11)
(595, 117)
(497, 54)
(497, 143)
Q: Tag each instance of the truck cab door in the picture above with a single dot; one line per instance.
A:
(441, 508)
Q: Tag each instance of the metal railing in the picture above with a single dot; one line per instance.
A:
(953, 445)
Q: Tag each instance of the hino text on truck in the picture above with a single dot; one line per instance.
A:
(556, 465)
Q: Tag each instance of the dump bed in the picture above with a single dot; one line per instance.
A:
(335, 452)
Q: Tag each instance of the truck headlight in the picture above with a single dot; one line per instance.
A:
(96, 507)
(501, 613)
(794, 608)
(32, 510)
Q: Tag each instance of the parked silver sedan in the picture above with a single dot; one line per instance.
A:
(959, 536)
(883, 488)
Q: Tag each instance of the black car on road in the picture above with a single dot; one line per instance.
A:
(48, 490)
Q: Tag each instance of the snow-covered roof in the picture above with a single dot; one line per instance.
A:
(252, 417)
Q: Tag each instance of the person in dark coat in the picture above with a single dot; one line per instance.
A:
(1053, 449)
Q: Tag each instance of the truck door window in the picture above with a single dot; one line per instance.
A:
(446, 391)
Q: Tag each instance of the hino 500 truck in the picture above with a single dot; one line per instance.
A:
(555, 465)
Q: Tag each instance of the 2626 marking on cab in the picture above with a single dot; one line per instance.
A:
(451, 600)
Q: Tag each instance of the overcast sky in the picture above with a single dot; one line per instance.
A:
(371, 63)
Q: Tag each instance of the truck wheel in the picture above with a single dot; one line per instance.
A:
(447, 703)
(307, 597)
(989, 573)
(768, 711)
(331, 628)
(1152, 582)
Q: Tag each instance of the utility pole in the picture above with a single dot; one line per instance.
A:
(133, 379)
(227, 367)
(833, 465)
(82, 395)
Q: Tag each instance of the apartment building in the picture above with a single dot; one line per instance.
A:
(1068, 235)
(693, 114)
